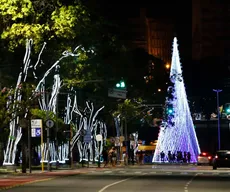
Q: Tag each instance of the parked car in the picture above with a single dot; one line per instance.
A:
(204, 159)
(221, 159)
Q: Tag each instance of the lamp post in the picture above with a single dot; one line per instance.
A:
(218, 114)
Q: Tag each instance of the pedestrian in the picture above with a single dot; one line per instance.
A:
(114, 157)
(162, 154)
(185, 157)
(141, 156)
(189, 157)
(169, 156)
(132, 155)
(105, 157)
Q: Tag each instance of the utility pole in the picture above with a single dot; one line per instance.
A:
(48, 135)
(56, 127)
(71, 149)
(126, 141)
(48, 149)
(121, 142)
(218, 114)
(82, 151)
(56, 131)
(29, 145)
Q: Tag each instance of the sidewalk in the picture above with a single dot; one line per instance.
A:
(11, 179)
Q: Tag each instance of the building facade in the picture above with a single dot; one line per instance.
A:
(210, 28)
(153, 35)
(160, 36)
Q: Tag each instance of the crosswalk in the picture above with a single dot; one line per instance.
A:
(160, 173)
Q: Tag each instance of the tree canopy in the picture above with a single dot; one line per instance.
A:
(103, 58)
(41, 20)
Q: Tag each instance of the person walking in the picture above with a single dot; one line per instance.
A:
(141, 157)
(113, 155)
(162, 154)
(105, 157)
(132, 155)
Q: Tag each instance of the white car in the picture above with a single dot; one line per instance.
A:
(204, 159)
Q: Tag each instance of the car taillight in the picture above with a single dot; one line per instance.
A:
(216, 157)
(204, 154)
(209, 157)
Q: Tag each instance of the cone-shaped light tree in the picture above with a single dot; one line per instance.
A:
(177, 133)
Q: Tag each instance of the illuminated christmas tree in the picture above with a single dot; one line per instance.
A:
(177, 132)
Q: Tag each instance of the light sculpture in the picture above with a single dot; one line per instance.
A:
(84, 122)
(177, 133)
(14, 125)
(87, 124)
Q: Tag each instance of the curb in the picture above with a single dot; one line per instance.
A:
(39, 180)
(18, 185)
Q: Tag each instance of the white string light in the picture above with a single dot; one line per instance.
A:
(84, 123)
(178, 133)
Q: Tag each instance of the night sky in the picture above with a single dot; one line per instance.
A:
(200, 77)
(181, 13)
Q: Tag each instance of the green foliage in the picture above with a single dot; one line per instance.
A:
(109, 144)
(66, 18)
(15, 9)
(40, 20)
(21, 32)
(4, 115)
(63, 25)
(129, 109)
(81, 71)
(44, 115)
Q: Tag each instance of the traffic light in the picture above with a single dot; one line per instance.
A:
(121, 84)
(228, 110)
(169, 110)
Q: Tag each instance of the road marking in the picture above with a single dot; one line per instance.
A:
(115, 183)
(122, 171)
(153, 172)
(107, 171)
(25, 183)
(188, 183)
(168, 173)
(183, 173)
(215, 174)
(137, 172)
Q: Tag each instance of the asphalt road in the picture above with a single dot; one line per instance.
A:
(139, 179)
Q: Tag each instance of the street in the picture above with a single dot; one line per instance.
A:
(160, 178)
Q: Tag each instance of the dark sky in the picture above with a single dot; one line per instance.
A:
(200, 78)
(179, 11)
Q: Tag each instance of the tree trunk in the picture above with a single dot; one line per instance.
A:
(24, 162)
(1, 153)
(24, 150)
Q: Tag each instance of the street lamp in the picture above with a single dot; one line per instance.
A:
(218, 114)
(167, 66)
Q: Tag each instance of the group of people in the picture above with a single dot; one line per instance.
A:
(139, 157)
(110, 156)
(178, 157)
